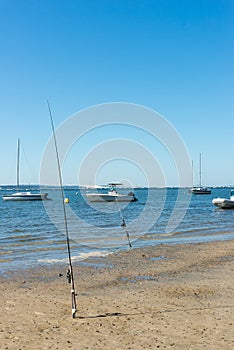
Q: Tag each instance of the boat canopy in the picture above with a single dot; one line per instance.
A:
(114, 184)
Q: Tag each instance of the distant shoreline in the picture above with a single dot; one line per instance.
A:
(104, 186)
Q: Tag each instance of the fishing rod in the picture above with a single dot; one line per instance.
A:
(70, 275)
(123, 224)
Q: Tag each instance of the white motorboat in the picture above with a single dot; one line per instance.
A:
(112, 195)
(224, 202)
(200, 189)
(23, 196)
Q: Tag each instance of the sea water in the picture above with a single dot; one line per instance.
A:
(33, 233)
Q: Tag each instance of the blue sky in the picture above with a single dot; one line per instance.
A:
(176, 57)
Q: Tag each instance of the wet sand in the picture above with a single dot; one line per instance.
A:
(165, 297)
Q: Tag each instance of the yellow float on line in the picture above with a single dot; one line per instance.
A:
(66, 200)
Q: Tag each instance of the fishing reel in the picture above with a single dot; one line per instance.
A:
(68, 275)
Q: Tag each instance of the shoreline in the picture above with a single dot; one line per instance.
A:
(162, 297)
(11, 267)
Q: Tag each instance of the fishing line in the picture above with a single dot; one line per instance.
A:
(70, 275)
(123, 224)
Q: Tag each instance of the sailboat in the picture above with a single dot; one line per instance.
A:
(200, 189)
(23, 196)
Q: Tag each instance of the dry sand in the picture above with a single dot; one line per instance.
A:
(166, 297)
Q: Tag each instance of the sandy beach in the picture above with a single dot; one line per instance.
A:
(165, 297)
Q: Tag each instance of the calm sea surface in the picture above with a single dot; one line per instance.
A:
(32, 233)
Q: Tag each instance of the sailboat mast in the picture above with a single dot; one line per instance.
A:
(17, 164)
(200, 169)
(192, 174)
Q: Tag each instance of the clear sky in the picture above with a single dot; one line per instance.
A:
(174, 56)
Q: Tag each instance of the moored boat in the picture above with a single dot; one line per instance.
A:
(200, 189)
(225, 203)
(112, 195)
(23, 196)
